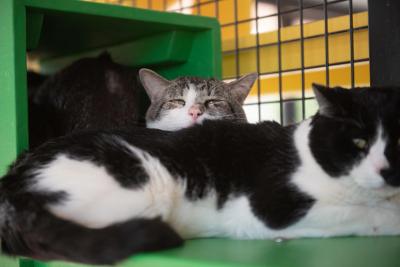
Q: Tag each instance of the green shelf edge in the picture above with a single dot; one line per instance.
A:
(176, 49)
(312, 252)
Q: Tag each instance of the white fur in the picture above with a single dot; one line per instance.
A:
(179, 118)
(95, 199)
(201, 218)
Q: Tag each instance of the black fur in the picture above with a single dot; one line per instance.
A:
(91, 93)
(43, 236)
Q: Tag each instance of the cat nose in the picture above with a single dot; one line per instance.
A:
(195, 111)
(381, 165)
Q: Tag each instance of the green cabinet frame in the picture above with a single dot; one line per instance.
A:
(60, 31)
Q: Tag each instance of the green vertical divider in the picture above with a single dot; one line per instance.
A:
(13, 108)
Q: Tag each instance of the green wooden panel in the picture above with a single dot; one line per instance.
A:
(8, 262)
(13, 109)
(54, 31)
(13, 125)
(330, 252)
(163, 49)
(82, 26)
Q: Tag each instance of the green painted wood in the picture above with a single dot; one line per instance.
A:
(175, 45)
(13, 120)
(163, 49)
(13, 108)
(329, 252)
(84, 25)
(8, 262)
(30, 263)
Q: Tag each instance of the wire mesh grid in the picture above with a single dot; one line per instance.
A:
(289, 43)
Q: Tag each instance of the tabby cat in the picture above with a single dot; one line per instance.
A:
(98, 197)
(186, 101)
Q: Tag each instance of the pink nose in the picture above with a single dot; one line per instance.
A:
(195, 111)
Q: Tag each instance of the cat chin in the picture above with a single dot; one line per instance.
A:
(375, 182)
(376, 186)
(170, 124)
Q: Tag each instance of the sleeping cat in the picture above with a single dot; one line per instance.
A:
(98, 197)
(97, 93)
(186, 101)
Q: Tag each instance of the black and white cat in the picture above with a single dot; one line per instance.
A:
(98, 197)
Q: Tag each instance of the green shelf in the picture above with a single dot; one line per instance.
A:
(328, 252)
(58, 32)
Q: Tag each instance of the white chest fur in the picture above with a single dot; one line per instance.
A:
(201, 218)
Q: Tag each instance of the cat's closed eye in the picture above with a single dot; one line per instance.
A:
(360, 143)
(214, 102)
(174, 103)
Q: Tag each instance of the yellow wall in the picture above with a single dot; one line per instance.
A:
(244, 50)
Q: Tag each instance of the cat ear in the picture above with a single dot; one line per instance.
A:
(331, 101)
(153, 83)
(241, 87)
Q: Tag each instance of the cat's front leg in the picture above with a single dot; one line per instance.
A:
(342, 220)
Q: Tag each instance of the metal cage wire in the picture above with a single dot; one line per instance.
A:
(287, 42)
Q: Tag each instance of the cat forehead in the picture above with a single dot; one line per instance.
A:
(370, 108)
(376, 98)
(202, 87)
(378, 104)
(211, 85)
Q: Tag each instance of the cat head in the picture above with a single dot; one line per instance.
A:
(186, 101)
(356, 133)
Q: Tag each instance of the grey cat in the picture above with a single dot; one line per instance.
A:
(186, 101)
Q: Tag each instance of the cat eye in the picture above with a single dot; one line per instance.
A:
(175, 103)
(214, 102)
(360, 143)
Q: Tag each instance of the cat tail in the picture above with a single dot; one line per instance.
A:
(46, 237)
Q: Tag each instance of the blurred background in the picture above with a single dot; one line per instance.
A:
(290, 43)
